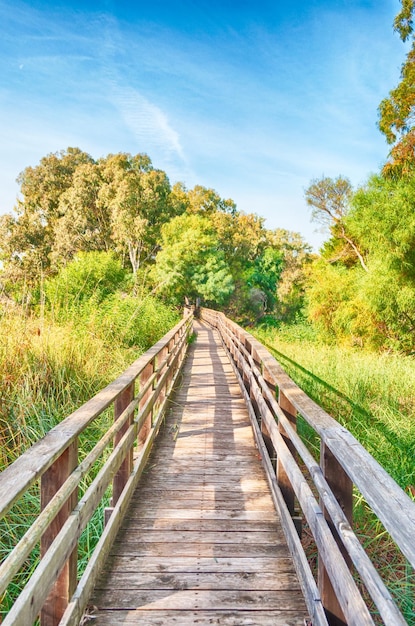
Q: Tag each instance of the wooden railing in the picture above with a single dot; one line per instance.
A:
(323, 489)
(51, 469)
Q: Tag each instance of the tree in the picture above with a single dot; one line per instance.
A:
(84, 224)
(383, 219)
(138, 198)
(191, 263)
(336, 306)
(296, 259)
(396, 113)
(330, 199)
(375, 306)
(89, 278)
(27, 246)
(207, 202)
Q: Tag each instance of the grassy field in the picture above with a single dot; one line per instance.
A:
(370, 394)
(373, 396)
(47, 370)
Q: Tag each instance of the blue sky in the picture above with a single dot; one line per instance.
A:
(253, 99)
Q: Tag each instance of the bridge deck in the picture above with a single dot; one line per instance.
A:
(201, 542)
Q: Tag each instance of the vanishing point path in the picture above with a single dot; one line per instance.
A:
(201, 542)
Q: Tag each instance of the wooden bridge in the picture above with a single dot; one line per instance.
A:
(210, 485)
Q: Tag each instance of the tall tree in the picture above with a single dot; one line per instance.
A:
(138, 198)
(84, 224)
(330, 199)
(397, 112)
(26, 251)
(296, 259)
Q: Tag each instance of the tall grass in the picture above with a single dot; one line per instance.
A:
(372, 395)
(49, 366)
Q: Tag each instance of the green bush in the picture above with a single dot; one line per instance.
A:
(84, 283)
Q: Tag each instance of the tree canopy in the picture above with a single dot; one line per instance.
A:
(178, 242)
(397, 111)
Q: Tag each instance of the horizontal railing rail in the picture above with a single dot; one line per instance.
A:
(322, 488)
(139, 397)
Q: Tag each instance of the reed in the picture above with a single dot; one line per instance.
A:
(48, 368)
(372, 395)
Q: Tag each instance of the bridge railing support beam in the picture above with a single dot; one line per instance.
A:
(284, 482)
(57, 601)
(122, 475)
(342, 488)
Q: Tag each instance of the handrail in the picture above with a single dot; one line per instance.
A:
(275, 401)
(52, 589)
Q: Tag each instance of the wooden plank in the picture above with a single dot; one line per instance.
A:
(65, 583)
(201, 539)
(216, 550)
(278, 565)
(242, 581)
(171, 537)
(192, 617)
(197, 513)
(188, 599)
(219, 525)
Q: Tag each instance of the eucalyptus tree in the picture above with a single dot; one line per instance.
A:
(27, 238)
(137, 197)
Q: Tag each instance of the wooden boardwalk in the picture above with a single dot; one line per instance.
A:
(201, 542)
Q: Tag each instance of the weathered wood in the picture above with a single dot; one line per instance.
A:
(380, 491)
(283, 481)
(231, 565)
(342, 488)
(306, 579)
(232, 581)
(185, 600)
(121, 477)
(369, 575)
(191, 617)
(145, 375)
(64, 586)
(76, 607)
(219, 522)
(269, 376)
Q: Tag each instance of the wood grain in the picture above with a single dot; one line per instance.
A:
(201, 541)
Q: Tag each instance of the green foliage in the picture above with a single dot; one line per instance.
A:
(336, 307)
(47, 370)
(396, 112)
(389, 289)
(132, 322)
(190, 263)
(73, 205)
(266, 273)
(137, 197)
(370, 304)
(87, 280)
(370, 393)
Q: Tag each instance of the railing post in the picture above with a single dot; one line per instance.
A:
(282, 478)
(124, 471)
(57, 601)
(146, 427)
(162, 355)
(342, 488)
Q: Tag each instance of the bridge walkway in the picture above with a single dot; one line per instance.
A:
(201, 542)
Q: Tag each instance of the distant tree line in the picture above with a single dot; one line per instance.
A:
(175, 242)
